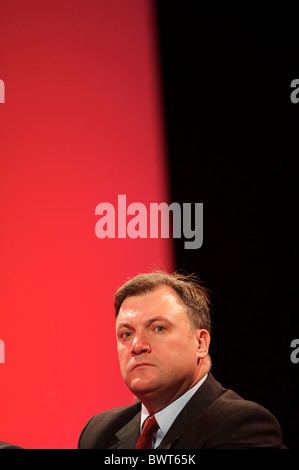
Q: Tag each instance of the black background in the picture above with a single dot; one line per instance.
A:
(232, 135)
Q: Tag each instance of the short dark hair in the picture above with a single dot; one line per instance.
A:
(193, 296)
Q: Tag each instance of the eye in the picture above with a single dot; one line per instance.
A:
(125, 334)
(159, 328)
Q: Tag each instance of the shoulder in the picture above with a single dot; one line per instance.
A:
(232, 421)
(6, 445)
(102, 426)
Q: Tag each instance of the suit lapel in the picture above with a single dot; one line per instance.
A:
(200, 401)
(128, 435)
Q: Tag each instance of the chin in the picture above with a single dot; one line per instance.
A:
(141, 387)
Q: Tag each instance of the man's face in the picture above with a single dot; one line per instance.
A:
(158, 351)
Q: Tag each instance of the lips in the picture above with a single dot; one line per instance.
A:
(141, 364)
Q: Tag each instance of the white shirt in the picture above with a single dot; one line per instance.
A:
(166, 417)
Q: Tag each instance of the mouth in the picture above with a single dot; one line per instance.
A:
(142, 364)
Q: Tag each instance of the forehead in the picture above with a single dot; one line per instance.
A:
(163, 301)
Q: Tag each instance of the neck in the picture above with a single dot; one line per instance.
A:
(158, 400)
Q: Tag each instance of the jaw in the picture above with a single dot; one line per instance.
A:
(156, 395)
(143, 381)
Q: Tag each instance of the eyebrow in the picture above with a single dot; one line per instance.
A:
(125, 324)
(158, 318)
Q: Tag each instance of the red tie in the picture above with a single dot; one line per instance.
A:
(145, 438)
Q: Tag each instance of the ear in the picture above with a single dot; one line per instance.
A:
(203, 340)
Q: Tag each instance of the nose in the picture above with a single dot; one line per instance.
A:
(139, 346)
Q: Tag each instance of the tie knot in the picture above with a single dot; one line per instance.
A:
(150, 425)
(145, 440)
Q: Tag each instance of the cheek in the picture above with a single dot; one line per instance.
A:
(122, 357)
(183, 355)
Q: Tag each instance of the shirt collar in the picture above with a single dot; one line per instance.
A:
(166, 417)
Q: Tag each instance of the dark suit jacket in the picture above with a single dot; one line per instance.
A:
(214, 418)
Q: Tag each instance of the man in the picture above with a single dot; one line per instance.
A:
(163, 336)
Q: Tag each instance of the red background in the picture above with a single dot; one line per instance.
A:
(82, 122)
